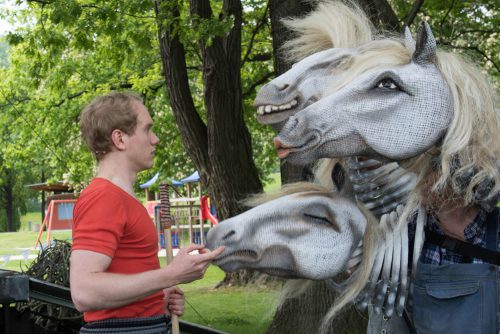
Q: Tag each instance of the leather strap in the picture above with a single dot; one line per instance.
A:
(463, 248)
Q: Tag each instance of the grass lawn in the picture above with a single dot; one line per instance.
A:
(20, 244)
(33, 217)
(233, 310)
(274, 184)
(239, 310)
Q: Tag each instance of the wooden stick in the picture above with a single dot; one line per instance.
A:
(166, 222)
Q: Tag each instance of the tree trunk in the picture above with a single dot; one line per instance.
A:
(305, 313)
(278, 10)
(381, 14)
(221, 149)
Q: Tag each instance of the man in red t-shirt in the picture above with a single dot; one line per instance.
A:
(115, 275)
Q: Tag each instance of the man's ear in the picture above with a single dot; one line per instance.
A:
(117, 139)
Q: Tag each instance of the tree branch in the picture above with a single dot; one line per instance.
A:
(257, 83)
(413, 13)
(441, 24)
(262, 21)
(193, 129)
(261, 57)
(476, 49)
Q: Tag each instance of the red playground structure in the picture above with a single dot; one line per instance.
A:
(192, 213)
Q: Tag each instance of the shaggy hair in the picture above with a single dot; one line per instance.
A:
(470, 146)
(106, 113)
(320, 30)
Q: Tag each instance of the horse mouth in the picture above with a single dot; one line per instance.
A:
(283, 150)
(272, 114)
(246, 255)
(280, 272)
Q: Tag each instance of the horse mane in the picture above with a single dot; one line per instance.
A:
(332, 24)
(379, 53)
(288, 189)
(471, 140)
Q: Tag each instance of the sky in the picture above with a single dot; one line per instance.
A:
(4, 25)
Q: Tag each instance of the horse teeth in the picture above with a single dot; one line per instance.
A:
(261, 110)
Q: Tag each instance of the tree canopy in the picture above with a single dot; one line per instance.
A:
(67, 52)
(63, 53)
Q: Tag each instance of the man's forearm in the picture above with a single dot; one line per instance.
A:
(102, 290)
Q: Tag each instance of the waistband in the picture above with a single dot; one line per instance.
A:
(150, 325)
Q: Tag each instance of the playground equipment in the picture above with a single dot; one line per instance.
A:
(59, 215)
(166, 226)
(191, 214)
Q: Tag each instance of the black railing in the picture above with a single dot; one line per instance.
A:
(17, 287)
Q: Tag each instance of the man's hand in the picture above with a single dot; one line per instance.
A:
(174, 301)
(188, 267)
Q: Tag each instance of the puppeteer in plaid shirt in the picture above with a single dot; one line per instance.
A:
(475, 233)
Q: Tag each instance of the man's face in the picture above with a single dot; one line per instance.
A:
(141, 144)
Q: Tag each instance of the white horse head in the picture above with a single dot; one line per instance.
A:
(308, 234)
(328, 36)
(389, 103)
(304, 84)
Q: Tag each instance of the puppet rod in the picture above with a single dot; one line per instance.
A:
(166, 225)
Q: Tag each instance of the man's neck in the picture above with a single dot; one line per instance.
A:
(454, 219)
(118, 174)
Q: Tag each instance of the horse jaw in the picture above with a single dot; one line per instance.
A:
(304, 84)
(266, 262)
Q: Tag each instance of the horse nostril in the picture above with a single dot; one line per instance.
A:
(229, 235)
(291, 124)
(285, 86)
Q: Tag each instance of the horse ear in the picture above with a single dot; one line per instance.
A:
(338, 176)
(425, 50)
(408, 40)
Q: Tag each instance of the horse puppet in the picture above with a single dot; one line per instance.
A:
(392, 99)
(405, 101)
(304, 231)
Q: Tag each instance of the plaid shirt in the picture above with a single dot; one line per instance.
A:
(474, 233)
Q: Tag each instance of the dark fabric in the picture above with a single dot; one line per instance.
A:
(465, 249)
(459, 298)
(153, 325)
(488, 253)
(456, 298)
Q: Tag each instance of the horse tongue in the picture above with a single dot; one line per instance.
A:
(282, 150)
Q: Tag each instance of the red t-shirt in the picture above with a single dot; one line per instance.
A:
(107, 220)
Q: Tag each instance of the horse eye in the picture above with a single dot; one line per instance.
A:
(319, 219)
(387, 84)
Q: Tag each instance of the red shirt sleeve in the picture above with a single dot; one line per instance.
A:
(99, 219)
